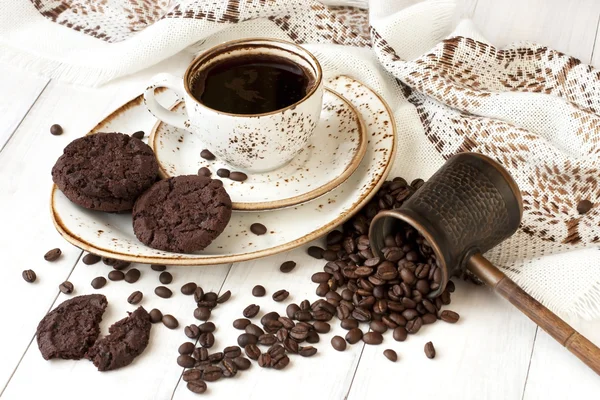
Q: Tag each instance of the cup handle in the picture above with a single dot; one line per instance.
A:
(175, 84)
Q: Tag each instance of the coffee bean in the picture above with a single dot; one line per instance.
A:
(241, 323)
(400, 334)
(242, 363)
(410, 314)
(330, 255)
(275, 350)
(320, 277)
(372, 338)
(189, 288)
(132, 275)
(170, 321)
(361, 314)
(204, 171)
(224, 297)
(429, 350)
(258, 291)
(191, 375)
(378, 326)
(207, 340)
(66, 287)
(415, 325)
(207, 304)
(165, 278)
(290, 345)
(134, 298)
(429, 318)
(52, 255)
(202, 313)
(252, 351)
(198, 294)
(196, 386)
(349, 323)
(192, 331)
(212, 373)
(390, 355)
(207, 155)
(315, 252)
(307, 351)
(216, 357)
(272, 325)
(354, 335)
(291, 310)
(109, 261)
(584, 206)
(321, 327)
(280, 295)
(138, 135)
(115, 275)
(258, 229)
(91, 259)
(299, 333)
(163, 291)
(207, 327)
(238, 176)
(264, 360)
(254, 330)
(186, 348)
(121, 265)
(449, 316)
(158, 267)
(338, 343)
(56, 130)
(98, 282)
(223, 173)
(29, 275)
(287, 266)
(251, 311)
(450, 287)
(228, 367)
(267, 339)
(282, 334)
(245, 339)
(280, 362)
(186, 361)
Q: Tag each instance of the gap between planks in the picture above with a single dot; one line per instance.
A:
(537, 328)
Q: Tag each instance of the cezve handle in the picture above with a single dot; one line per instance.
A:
(562, 332)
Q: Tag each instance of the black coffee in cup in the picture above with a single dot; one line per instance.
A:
(251, 84)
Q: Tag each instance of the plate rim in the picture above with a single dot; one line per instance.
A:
(184, 260)
(295, 200)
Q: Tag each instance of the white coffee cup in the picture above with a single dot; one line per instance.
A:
(250, 142)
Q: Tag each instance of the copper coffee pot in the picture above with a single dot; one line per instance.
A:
(468, 206)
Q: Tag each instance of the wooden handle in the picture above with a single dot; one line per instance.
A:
(562, 332)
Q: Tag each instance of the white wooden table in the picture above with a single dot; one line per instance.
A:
(494, 352)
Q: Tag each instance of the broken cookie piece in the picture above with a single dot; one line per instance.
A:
(70, 329)
(127, 339)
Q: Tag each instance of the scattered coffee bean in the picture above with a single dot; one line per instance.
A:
(186, 348)
(186, 361)
(354, 335)
(115, 275)
(202, 313)
(291, 310)
(584, 206)
(223, 173)
(134, 298)
(238, 176)
(155, 316)
(252, 351)
(245, 339)
(66, 287)
(207, 155)
(224, 297)
(338, 343)
(207, 340)
(242, 363)
(56, 130)
(287, 266)
(91, 259)
(254, 330)
(315, 252)
(191, 375)
(228, 368)
(320, 277)
(198, 294)
(170, 321)
(280, 362)
(163, 291)
(267, 339)
(400, 334)
(158, 267)
(258, 291)
(192, 331)
(138, 135)
(98, 282)
(264, 360)
(241, 323)
(132, 275)
(429, 350)
(258, 229)
(321, 326)
(390, 355)
(378, 326)
(207, 327)
(372, 338)
(197, 386)
(449, 316)
(232, 351)
(307, 351)
(121, 265)
(280, 295)
(349, 323)
(29, 275)
(251, 311)
(109, 261)
(204, 172)
(52, 255)
(212, 373)
(189, 288)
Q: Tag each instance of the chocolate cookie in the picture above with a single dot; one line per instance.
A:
(105, 171)
(71, 328)
(127, 339)
(182, 214)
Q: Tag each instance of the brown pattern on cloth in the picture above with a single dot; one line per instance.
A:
(116, 20)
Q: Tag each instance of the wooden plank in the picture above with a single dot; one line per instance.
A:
(19, 89)
(557, 374)
(154, 374)
(567, 26)
(26, 162)
(326, 375)
(484, 355)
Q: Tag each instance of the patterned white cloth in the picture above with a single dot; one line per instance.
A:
(533, 109)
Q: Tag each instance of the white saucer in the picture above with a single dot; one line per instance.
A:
(335, 151)
(111, 235)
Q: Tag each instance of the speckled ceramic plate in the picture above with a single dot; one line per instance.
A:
(111, 235)
(335, 151)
